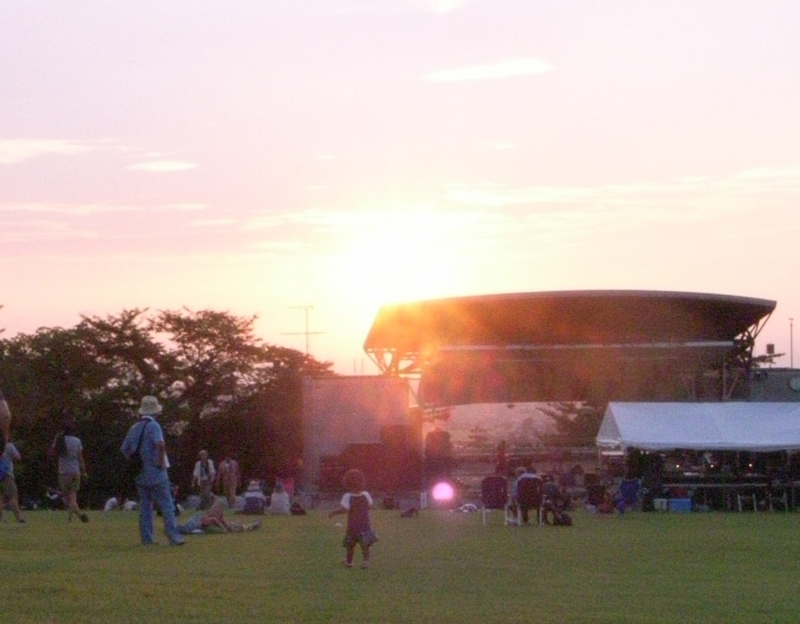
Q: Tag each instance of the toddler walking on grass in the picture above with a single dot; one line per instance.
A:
(356, 503)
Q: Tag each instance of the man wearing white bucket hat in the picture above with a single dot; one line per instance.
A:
(152, 482)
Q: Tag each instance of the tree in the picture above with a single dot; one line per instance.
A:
(575, 424)
(234, 394)
(221, 387)
(93, 373)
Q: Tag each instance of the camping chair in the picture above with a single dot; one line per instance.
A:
(554, 504)
(629, 491)
(779, 502)
(595, 494)
(494, 495)
(530, 496)
(777, 497)
(745, 498)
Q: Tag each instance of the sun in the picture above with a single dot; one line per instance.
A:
(398, 254)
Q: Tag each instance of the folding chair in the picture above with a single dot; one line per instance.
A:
(530, 497)
(629, 491)
(776, 501)
(595, 494)
(494, 495)
(746, 498)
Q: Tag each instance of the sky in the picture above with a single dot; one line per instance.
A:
(308, 161)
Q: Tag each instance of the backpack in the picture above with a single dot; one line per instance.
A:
(561, 518)
(297, 509)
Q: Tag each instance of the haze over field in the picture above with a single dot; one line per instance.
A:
(263, 156)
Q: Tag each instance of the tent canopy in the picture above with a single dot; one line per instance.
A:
(733, 426)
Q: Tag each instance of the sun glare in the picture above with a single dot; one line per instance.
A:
(443, 492)
(397, 254)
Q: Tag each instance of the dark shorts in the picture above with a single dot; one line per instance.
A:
(8, 487)
(365, 538)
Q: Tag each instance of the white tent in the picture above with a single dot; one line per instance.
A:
(734, 426)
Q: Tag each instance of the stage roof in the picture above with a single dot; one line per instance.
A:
(564, 318)
(560, 332)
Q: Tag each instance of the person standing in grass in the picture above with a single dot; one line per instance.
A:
(71, 469)
(5, 417)
(356, 503)
(153, 481)
(8, 485)
(203, 478)
(230, 479)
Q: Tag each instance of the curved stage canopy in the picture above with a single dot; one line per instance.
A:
(571, 345)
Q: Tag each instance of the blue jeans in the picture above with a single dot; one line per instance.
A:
(191, 525)
(160, 494)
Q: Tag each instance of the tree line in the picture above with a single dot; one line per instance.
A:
(222, 389)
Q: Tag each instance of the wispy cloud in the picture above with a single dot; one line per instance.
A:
(710, 193)
(440, 6)
(566, 214)
(39, 231)
(309, 217)
(66, 209)
(317, 8)
(507, 68)
(93, 208)
(19, 150)
(213, 222)
(500, 147)
(163, 166)
(181, 207)
(287, 245)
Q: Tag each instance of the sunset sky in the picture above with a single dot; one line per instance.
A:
(262, 156)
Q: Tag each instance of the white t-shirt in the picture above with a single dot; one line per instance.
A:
(69, 463)
(200, 474)
(348, 495)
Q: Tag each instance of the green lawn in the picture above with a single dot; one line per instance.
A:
(438, 567)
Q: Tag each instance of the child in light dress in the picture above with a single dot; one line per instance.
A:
(356, 503)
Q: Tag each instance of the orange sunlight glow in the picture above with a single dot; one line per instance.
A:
(398, 254)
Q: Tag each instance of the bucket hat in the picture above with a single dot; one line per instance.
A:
(149, 406)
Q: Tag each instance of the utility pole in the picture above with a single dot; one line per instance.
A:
(307, 333)
(791, 342)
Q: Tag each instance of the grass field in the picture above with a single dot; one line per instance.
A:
(438, 567)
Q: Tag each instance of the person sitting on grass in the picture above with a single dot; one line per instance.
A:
(279, 502)
(214, 521)
(113, 503)
(255, 501)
